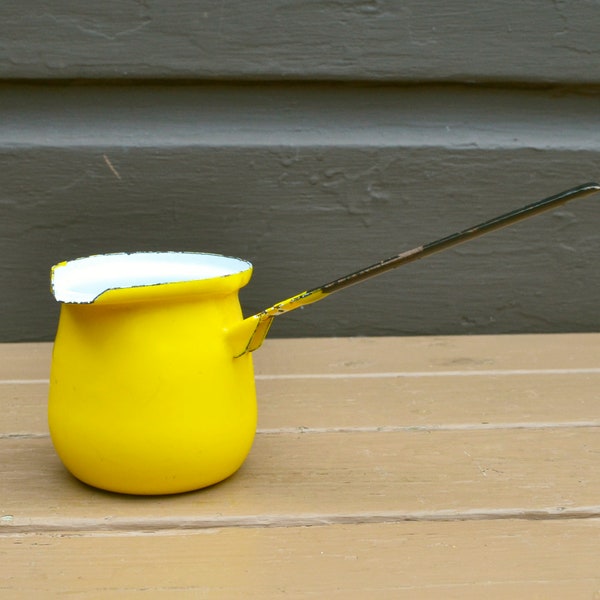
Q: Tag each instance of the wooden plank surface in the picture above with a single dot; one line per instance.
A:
(371, 357)
(299, 479)
(429, 382)
(464, 40)
(496, 560)
(459, 467)
(436, 402)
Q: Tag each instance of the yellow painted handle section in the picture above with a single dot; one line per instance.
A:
(249, 335)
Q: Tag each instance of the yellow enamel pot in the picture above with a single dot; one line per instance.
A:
(152, 386)
(146, 396)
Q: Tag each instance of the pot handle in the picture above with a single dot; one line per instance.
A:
(249, 335)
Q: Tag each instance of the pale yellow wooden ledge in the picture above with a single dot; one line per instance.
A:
(455, 467)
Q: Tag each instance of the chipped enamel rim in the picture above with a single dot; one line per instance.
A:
(84, 279)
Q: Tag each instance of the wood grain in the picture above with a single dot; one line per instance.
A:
(487, 402)
(444, 383)
(472, 472)
(312, 478)
(373, 356)
(404, 560)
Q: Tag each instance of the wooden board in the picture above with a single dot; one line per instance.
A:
(432, 403)
(473, 560)
(303, 479)
(372, 357)
(481, 382)
(471, 472)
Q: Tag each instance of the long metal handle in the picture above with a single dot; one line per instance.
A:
(262, 321)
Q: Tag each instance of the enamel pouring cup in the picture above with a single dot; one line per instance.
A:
(152, 385)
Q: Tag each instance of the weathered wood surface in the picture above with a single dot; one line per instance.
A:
(309, 183)
(459, 467)
(451, 40)
(456, 560)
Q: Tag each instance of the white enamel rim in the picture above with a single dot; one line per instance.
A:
(82, 280)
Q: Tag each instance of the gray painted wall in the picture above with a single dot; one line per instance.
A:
(313, 139)
(374, 40)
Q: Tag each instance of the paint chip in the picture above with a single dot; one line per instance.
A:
(111, 167)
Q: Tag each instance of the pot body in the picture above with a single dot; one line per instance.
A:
(145, 395)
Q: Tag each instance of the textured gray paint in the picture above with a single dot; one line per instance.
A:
(530, 41)
(309, 182)
(297, 115)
